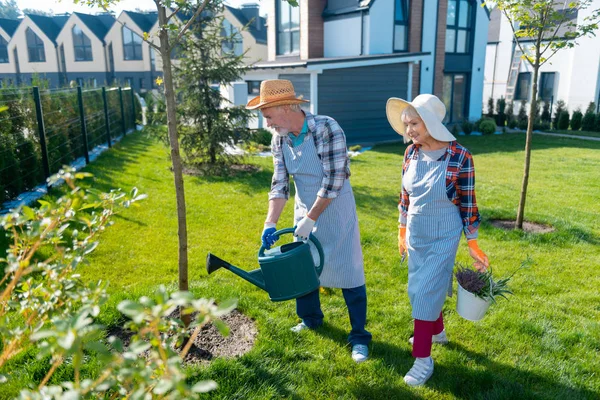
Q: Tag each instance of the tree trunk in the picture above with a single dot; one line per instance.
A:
(532, 115)
(165, 52)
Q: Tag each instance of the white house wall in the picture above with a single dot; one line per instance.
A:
(430, 12)
(65, 37)
(381, 27)
(477, 70)
(348, 28)
(19, 40)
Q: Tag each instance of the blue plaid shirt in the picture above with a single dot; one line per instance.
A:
(330, 142)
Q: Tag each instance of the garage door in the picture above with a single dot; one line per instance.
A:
(356, 98)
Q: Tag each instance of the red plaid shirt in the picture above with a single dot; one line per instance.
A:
(460, 185)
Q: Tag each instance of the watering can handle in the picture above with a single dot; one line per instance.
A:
(312, 238)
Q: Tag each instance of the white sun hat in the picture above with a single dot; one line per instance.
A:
(431, 110)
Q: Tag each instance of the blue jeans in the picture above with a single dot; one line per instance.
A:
(308, 307)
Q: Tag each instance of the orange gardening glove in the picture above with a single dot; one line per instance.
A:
(481, 260)
(402, 239)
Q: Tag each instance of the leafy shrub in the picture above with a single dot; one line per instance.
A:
(589, 118)
(522, 117)
(490, 112)
(563, 120)
(487, 127)
(356, 147)
(454, 130)
(501, 117)
(597, 124)
(576, 120)
(261, 136)
(546, 117)
(560, 107)
(467, 127)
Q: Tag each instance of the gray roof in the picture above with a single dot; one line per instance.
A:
(145, 21)
(339, 7)
(99, 24)
(9, 25)
(260, 35)
(51, 26)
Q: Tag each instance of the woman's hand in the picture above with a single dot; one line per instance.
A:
(481, 260)
(402, 240)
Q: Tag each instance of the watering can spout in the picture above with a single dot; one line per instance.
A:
(255, 277)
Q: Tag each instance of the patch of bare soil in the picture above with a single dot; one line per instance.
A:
(210, 343)
(529, 227)
(220, 170)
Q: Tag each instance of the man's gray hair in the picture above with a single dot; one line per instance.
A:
(291, 107)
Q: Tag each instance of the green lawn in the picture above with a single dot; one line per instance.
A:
(543, 343)
(576, 133)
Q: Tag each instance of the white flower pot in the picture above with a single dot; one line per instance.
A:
(469, 306)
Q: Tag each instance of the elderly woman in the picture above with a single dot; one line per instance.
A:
(437, 204)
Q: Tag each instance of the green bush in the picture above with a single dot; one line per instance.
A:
(487, 127)
(576, 120)
(356, 147)
(261, 136)
(546, 117)
(467, 127)
(563, 121)
(560, 107)
(588, 121)
(510, 115)
(501, 117)
(597, 124)
(522, 117)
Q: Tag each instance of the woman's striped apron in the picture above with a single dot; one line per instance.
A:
(337, 227)
(434, 227)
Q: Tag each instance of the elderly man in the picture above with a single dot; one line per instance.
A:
(312, 148)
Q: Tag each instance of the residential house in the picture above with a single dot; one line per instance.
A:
(82, 49)
(7, 62)
(349, 56)
(571, 75)
(251, 30)
(35, 50)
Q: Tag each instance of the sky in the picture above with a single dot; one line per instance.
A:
(60, 7)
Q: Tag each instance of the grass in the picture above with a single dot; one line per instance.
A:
(576, 133)
(543, 343)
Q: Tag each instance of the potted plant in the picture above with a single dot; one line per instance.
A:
(477, 290)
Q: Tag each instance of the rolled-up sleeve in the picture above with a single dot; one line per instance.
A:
(280, 183)
(334, 158)
(468, 203)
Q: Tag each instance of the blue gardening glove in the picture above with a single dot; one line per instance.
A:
(268, 237)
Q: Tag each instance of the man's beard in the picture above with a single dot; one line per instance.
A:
(278, 132)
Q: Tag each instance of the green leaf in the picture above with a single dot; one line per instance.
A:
(163, 387)
(222, 327)
(42, 335)
(226, 307)
(28, 212)
(139, 347)
(130, 308)
(3, 379)
(204, 386)
(98, 347)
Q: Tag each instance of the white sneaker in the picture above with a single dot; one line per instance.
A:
(420, 372)
(360, 352)
(440, 338)
(300, 327)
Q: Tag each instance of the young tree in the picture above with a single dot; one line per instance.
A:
(541, 28)
(208, 61)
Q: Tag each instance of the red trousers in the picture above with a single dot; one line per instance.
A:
(424, 331)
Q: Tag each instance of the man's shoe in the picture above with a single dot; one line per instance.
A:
(360, 352)
(440, 338)
(421, 371)
(300, 327)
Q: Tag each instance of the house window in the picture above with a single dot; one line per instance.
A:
(401, 26)
(142, 83)
(132, 45)
(253, 87)
(547, 86)
(128, 82)
(288, 28)
(35, 47)
(459, 26)
(454, 96)
(82, 45)
(232, 40)
(3, 50)
(523, 85)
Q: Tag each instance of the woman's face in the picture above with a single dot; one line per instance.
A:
(416, 129)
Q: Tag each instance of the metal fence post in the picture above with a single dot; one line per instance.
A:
(41, 132)
(106, 121)
(86, 152)
(133, 109)
(122, 110)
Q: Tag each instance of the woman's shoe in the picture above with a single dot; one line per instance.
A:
(421, 371)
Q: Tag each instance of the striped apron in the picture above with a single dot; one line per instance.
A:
(434, 227)
(337, 227)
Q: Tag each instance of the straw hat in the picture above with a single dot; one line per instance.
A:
(431, 110)
(275, 92)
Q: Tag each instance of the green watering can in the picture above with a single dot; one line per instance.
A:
(286, 272)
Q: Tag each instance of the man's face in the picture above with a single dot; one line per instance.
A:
(277, 119)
